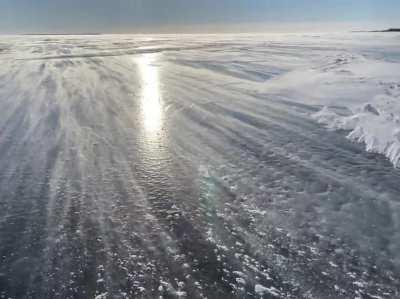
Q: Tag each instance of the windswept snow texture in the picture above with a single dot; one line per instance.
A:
(200, 166)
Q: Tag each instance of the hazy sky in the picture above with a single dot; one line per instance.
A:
(76, 16)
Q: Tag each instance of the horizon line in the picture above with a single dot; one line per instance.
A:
(388, 30)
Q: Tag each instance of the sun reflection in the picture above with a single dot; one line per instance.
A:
(150, 96)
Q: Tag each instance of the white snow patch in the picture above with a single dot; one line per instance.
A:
(262, 290)
(240, 281)
(102, 296)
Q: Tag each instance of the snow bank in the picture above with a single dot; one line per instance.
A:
(359, 89)
(376, 124)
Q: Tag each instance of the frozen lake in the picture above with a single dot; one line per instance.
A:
(199, 166)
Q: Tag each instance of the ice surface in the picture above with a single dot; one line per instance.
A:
(200, 166)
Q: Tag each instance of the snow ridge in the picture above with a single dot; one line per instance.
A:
(376, 124)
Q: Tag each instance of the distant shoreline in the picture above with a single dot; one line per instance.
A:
(386, 30)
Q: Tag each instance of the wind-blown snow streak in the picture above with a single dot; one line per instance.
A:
(193, 166)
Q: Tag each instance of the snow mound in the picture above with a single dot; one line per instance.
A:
(376, 124)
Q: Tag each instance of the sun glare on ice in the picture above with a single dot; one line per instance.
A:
(150, 94)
